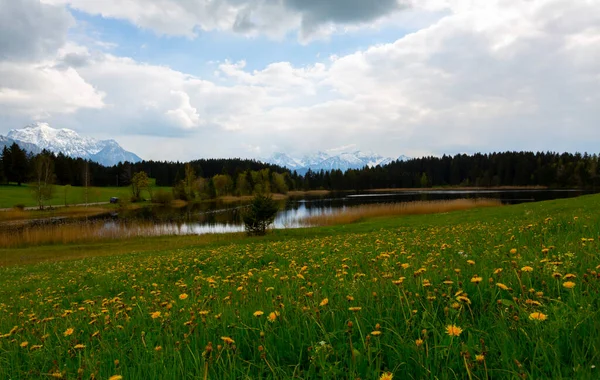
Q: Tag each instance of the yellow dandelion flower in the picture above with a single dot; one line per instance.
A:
(419, 342)
(115, 377)
(513, 251)
(498, 270)
(258, 313)
(300, 276)
(349, 298)
(24, 344)
(183, 296)
(79, 346)
(272, 316)
(355, 308)
(502, 286)
(537, 316)
(480, 358)
(158, 348)
(476, 279)
(569, 284)
(227, 340)
(405, 266)
(376, 333)
(453, 330)
(470, 262)
(68, 332)
(569, 276)
(324, 302)
(155, 315)
(556, 275)
(386, 376)
(35, 347)
(527, 269)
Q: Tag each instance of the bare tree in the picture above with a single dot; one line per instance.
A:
(43, 185)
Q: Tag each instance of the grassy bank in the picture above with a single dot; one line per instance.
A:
(505, 292)
(11, 195)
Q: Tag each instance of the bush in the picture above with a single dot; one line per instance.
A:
(19, 206)
(260, 214)
(163, 197)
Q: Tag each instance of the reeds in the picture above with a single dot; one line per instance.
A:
(357, 213)
(73, 212)
(85, 232)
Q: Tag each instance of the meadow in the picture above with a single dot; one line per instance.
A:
(486, 293)
(11, 195)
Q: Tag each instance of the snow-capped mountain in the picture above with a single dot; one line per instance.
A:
(39, 136)
(323, 161)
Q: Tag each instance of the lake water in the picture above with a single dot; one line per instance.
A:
(217, 217)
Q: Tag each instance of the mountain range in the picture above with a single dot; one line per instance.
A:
(38, 136)
(323, 161)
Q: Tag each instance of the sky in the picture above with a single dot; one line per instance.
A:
(188, 79)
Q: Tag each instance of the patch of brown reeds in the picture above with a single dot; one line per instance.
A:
(357, 213)
(72, 212)
(80, 233)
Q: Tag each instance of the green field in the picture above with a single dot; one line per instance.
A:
(11, 195)
(494, 293)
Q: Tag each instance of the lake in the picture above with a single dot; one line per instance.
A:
(218, 217)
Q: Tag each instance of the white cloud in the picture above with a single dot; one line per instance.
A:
(312, 18)
(502, 76)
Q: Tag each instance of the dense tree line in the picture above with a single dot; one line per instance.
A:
(216, 177)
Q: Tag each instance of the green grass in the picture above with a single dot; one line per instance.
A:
(411, 277)
(11, 195)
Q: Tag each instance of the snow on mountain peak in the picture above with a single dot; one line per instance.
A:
(70, 143)
(323, 161)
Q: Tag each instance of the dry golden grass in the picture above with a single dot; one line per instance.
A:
(71, 212)
(80, 233)
(449, 188)
(354, 214)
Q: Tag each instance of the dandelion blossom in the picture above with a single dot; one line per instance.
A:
(324, 302)
(480, 358)
(183, 296)
(115, 377)
(502, 286)
(155, 315)
(68, 332)
(453, 330)
(376, 333)
(24, 344)
(537, 316)
(386, 376)
(355, 308)
(476, 279)
(527, 269)
(419, 342)
(79, 346)
(272, 317)
(227, 340)
(569, 284)
(258, 313)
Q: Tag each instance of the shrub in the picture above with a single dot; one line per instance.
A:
(260, 214)
(163, 197)
(19, 206)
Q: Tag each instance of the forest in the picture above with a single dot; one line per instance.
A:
(236, 176)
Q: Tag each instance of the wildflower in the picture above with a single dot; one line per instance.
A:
(115, 377)
(419, 342)
(355, 308)
(479, 358)
(158, 348)
(324, 302)
(300, 276)
(386, 376)
(183, 296)
(569, 276)
(376, 333)
(79, 346)
(227, 340)
(258, 313)
(513, 251)
(155, 315)
(405, 266)
(24, 344)
(272, 317)
(538, 316)
(476, 279)
(527, 269)
(349, 298)
(470, 262)
(68, 332)
(35, 347)
(453, 330)
(569, 284)
(502, 286)
(556, 275)
(498, 270)
(95, 334)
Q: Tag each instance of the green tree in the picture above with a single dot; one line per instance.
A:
(223, 184)
(260, 214)
(43, 178)
(190, 181)
(139, 182)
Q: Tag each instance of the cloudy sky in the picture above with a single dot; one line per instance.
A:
(184, 79)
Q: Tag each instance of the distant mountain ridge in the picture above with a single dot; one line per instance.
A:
(39, 136)
(323, 161)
